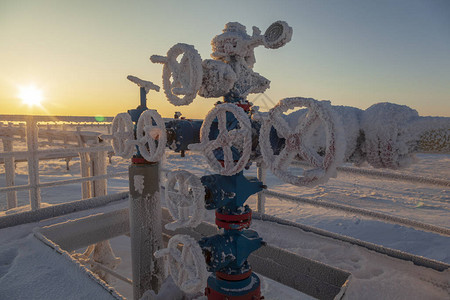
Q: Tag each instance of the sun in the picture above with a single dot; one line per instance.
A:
(30, 95)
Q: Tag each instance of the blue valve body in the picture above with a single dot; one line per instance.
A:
(226, 253)
(229, 251)
(181, 133)
(229, 192)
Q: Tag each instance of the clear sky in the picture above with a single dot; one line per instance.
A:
(352, 52)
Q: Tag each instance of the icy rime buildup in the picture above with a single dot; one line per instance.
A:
(186, 204)
(229, 73)
(296, 141)
(386, 135)
(186, 75)
(388, 138)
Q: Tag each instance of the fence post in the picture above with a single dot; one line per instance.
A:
(261, 174)
(33, 163)
(86, 191)
(103, 252)
(145, 228)
(11, 196)
(99, 186)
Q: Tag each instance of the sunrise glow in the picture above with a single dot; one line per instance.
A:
(30, 95)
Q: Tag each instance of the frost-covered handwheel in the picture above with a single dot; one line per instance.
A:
(151, 135)
(186, 75)
(188, 267)
(185, 197)
(295, 141)
(277, 35)
(123, 135)
(240, 138)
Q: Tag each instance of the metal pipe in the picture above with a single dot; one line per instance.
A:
(363, 212)
(56, 152)
(261, 172)
(63, 182)
(143, 95)
(145, 228)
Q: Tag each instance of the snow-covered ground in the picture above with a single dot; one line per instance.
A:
(373, 275)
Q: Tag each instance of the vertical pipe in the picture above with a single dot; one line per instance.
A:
(33, 163)
(143, 98)
(9, 173)
(145, 228)
(261, 174)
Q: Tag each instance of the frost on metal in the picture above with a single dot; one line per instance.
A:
(229, 73)
(296, 141)
(350, 118)
(122, 132)
(147, 85)
(388, 138)
(236, 48)
(185, 196)
(386, 135)
(138, 183)
(151, 136)
(240, 137)
(181, 78)
(218, 78)
(187, 267)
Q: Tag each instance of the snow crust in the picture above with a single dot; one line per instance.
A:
(375, 276)
(53, 275)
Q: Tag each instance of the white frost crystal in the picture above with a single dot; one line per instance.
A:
(187, 267)
(240, 138)
(296, 141)
(388, 136)
(186, 75)
(231, 70)
(187, 202)
(151, 135)
(218, 78)
(139, 183)
(277, 35)
(147, 85)
(122, 131)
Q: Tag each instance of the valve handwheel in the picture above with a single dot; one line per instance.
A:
(186, 75)
(122, 131)
(239, 137)
(188, 267)
(187, 202)
(151, 135)
(295, 141)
